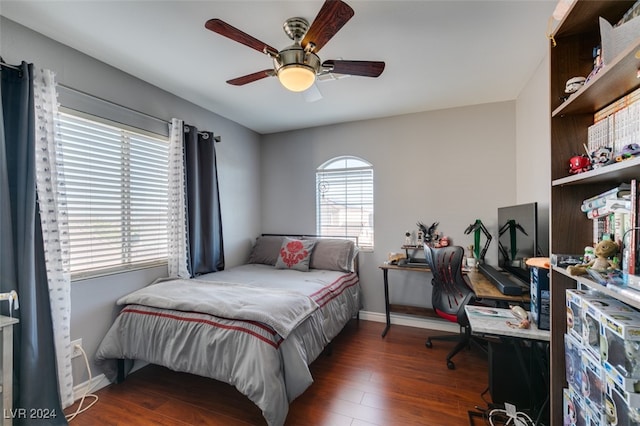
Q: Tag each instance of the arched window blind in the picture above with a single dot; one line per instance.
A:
(116, 182)
(344, 199)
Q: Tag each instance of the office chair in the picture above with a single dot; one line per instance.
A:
(450, 295)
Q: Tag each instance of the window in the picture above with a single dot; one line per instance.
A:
(344, 199)
(116, 184)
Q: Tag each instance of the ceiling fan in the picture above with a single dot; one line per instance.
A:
(298, 65)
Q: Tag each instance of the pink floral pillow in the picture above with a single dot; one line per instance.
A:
(295, 254)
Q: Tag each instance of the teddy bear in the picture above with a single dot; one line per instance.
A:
(604, 250)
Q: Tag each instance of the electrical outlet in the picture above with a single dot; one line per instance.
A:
(75, 352)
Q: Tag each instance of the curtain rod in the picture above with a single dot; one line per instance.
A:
(113, 103)
(204, 134)
(168, 123)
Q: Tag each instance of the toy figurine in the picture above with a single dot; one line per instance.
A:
(589, 254)
(573, 84)
(579, 164)
(440, 240)
(610, 411)
(632, 355)
(601, 157)
(628, 151)
(428, 233)
(604, 250)
(570, 416)
(407, 239)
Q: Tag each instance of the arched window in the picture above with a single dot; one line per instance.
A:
(344, 199)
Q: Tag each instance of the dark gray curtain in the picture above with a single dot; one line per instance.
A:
(22, 265)
(204, 222)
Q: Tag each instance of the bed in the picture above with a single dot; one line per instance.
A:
(257, 326)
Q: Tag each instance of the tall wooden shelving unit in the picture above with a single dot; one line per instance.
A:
(570, 230)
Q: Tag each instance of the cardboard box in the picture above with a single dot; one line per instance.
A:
(592, 313)
(575, 298)
(621, 408)
(540, 307)
(573, 361)
(620, 348)
(574, 412)
(593, 382)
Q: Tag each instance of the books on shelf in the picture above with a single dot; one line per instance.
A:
(598, 135)
(600, 200)
(616, 106)
(617, 125)
(616, 205)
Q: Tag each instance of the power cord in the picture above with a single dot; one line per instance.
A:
(87, 390)
(510, 417)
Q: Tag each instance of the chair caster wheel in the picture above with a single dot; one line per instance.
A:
(451, 365)
(428, 344)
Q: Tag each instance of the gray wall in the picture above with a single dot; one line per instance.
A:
(93, 301)
(448, 166)
(533, 147)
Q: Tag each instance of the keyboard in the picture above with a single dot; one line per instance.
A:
(413, 263)
(505, 283)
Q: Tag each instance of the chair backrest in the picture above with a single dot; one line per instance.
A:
(450, 291)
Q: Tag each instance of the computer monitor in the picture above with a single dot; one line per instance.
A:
(518, 238)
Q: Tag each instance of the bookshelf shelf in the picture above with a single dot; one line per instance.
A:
(611, 83)
(584, 281)
(622, 171)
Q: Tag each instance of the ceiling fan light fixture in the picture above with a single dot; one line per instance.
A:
(296, 77)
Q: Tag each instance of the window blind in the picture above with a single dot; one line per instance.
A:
(116, 182)
(344, 202)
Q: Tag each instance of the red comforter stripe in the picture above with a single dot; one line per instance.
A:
(239, 328)
(333, 290)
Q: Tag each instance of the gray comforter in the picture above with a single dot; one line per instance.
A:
(282, 310)
(195, 326)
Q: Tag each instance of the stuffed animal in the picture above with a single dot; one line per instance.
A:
(604, 250)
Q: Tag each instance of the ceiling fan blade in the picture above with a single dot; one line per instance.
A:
(250, 78)
(332, 16)
(218, 26)
(361, 68)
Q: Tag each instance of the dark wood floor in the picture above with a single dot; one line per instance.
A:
(366, 380)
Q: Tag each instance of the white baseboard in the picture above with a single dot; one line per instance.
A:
(95, 384)
(428, 323)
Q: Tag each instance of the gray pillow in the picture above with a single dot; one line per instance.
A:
(333, 254)
(266, 249)
(295, 254)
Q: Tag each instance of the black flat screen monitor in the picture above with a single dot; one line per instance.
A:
(518, 238)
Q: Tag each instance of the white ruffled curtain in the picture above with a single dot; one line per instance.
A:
(54, 220)
(178, 255)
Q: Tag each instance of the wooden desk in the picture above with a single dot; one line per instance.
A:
(482, 287)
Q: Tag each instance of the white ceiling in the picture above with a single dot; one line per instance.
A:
(438, 54)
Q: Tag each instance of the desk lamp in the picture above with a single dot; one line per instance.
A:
(476, 228)
(510, 226)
